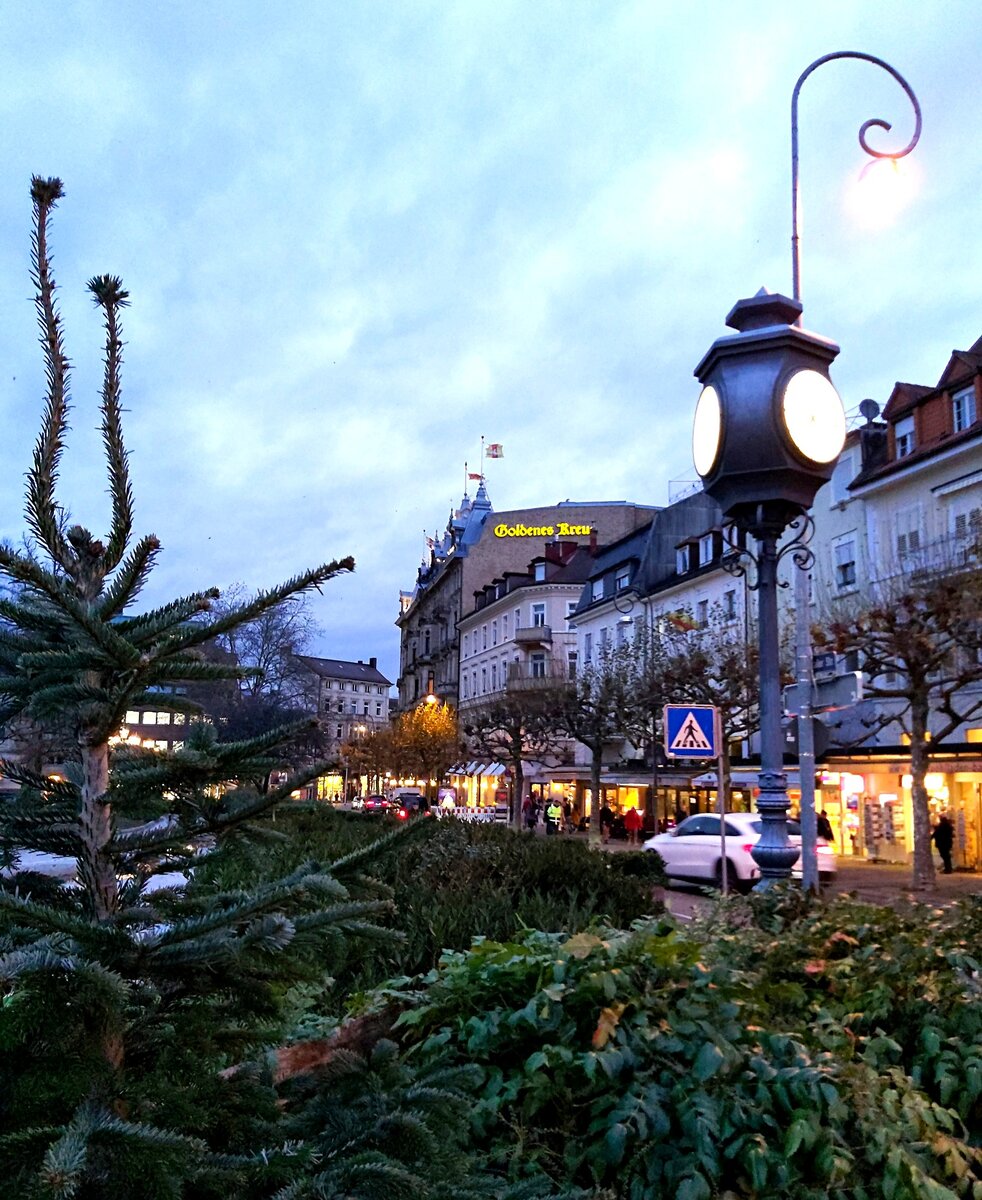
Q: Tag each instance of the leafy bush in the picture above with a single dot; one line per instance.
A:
(838, 1056)
(451, 881)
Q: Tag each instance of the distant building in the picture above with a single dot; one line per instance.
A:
(351, 698)
(477, 547)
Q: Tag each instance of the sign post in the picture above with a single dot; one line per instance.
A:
(695, 731)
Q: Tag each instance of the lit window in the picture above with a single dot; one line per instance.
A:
(178, 718)
(149, 718)
(963, 408)
(132, 717)
(903, 433)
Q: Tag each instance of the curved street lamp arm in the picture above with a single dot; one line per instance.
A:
(876, 122)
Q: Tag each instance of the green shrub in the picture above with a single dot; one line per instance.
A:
(835, 1057)
(450, 882)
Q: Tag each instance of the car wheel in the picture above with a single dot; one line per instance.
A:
(733, 880)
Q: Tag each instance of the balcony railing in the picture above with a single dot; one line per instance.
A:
(534, 635)
(532, 675)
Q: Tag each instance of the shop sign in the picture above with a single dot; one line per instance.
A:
(560, 530)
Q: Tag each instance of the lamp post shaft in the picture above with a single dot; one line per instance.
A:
(772, 853)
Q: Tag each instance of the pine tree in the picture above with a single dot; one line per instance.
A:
(120, 1004)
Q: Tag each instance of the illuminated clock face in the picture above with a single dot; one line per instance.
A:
(707, 431)
(814, 419)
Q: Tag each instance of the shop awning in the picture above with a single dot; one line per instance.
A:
(743, 778)
(494, 770)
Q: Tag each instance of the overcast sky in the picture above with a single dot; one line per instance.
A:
(360, 235)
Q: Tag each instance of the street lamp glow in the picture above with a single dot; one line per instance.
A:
(881, 192)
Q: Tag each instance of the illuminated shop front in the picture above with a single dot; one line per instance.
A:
(869, 805)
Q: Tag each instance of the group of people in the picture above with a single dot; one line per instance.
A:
(557, 814)
(559, 817)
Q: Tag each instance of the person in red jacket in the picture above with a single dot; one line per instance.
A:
(633, 821)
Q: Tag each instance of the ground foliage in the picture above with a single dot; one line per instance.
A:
(449, 881)
(831, 1051)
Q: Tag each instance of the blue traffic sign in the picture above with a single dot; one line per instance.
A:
(690, 731)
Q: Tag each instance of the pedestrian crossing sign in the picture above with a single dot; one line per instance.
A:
(690, 731)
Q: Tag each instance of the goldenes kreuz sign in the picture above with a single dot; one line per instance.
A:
(560, 530)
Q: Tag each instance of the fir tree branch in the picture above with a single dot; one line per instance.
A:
(41, 512)
(264, 601)
(110, 296)
(129, 580)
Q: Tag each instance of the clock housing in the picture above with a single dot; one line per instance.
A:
(764, 463)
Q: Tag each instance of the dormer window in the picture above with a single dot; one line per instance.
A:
(597, 589)
(622, 580)
(682, 560)
(539, 572)
(963, 408)
(903, 435)
(705, 549)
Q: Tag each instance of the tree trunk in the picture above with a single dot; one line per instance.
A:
(518, 791)
(96, 865)
(596, 763)
(924, 875)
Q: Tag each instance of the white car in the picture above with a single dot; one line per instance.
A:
(692, 850)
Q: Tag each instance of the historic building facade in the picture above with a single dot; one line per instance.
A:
(478, 547)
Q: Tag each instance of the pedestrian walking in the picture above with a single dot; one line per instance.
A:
(944, 838)
(606, 822)
(823, 827)
(633, 822)
(554, 814)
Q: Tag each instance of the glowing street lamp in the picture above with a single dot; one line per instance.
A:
(879, 201)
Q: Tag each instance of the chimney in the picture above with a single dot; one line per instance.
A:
(593, 543)
(373, 663)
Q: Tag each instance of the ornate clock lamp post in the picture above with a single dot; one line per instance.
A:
(768, 429)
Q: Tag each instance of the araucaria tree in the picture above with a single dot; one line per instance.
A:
(118, 1007)
(920, 647)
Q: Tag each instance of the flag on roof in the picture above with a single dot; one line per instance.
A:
(473, 475)
(495, 450)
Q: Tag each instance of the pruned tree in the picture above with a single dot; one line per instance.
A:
(514, 726)
(121, 996)
(426, 741)
(594, 709)
(716, 663)
(919, 643)
(371, 755)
